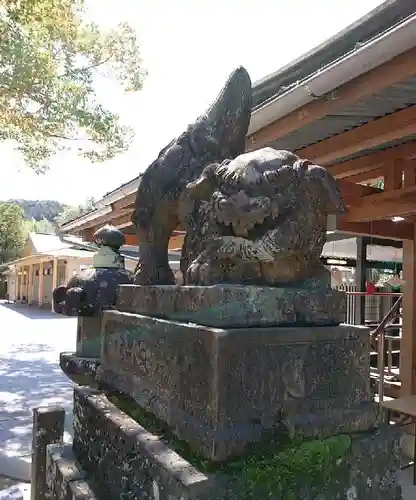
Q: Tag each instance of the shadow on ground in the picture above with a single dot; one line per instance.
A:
(32, 312)
(29, 380)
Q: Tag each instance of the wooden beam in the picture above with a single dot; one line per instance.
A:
(122, 221)
(367, 211)
(176, 241)
(372, 176)
(106, 219)
(87, 234)
(393, 175)
(379, 228)
(351, 192)
(125, 202)
(373, 161)
(384, 205)
(372, 134)
(397, 69)
(409, 171)
(131, 239)
(395, 195)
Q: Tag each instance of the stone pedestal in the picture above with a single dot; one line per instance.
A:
(144, 465)
(82, 365)
(219, 388)
(217, 408)
(234, 306)
(89, 336)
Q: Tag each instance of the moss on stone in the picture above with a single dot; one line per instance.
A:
(280, 468)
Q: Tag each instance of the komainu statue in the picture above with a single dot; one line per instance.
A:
(215, 136)
(95, 289)
(258, 219)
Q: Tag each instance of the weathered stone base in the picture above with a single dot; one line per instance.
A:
(80, 370)
(66, 480)
(233, 306)
(89, 336)
(126, 461)
(219, 389)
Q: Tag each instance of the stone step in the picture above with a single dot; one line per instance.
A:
(65, 478)
(20, 491)
(235, 306)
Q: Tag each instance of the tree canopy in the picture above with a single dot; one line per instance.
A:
(40, 209)
(71, 212)
(12, 231)
(50, 57)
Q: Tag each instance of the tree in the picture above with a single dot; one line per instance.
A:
(50, 58)
(12, 233)
(72, 212)
(39, 226)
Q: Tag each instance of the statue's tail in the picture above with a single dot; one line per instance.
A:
(229, 115)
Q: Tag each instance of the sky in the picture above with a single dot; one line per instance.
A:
(189, 48)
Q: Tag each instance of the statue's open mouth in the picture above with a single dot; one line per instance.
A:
(244, 216)
(251, 231)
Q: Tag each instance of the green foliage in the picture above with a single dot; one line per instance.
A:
(12, 231)
(309, 464)
(72, 212)
(49, 60)
(40, 209)
(39, 226)
(263, 471)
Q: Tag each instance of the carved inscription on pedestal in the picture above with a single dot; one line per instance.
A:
(143, 358)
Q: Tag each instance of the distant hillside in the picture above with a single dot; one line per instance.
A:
(40, 209)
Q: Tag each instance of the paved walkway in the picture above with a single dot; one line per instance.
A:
(30, 342)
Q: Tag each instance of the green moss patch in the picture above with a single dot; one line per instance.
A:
(279, 468)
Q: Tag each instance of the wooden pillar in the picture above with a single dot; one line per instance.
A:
(408, 342)
(54, 276)
(20, 282)
(30, 284)
(360, 279)
(16, 284)
(87, 234)
(40, 289)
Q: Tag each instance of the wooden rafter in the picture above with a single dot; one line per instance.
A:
(397, 69)
(123, 221)
(104, 219)
(131, 239)
(379, 228)
(384, 205)
(372, 134)
(372, 176)
(351, 193)
(125, 202)
(373, 161)
(367, 211)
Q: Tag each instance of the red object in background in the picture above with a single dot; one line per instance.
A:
(370, 288)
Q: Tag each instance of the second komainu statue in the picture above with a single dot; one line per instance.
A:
(255, 218)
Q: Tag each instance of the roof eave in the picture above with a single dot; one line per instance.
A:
(363, 59)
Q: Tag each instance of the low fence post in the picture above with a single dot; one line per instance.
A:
(48, 428)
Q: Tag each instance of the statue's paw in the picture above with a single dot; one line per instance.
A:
(156, 276)
(198, 273)
(226, 246)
